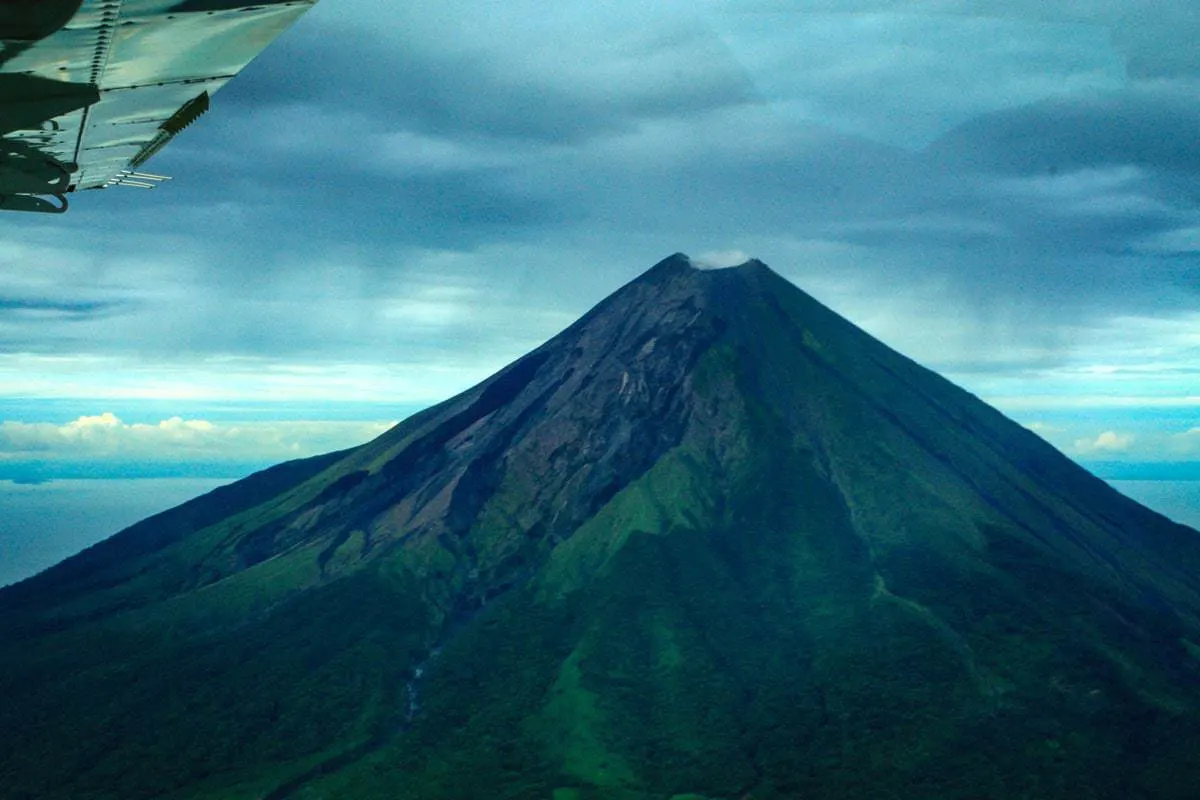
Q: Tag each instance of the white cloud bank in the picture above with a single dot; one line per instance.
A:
(1186, 444)
(1151, 446)
(1106, 442)
(106, 437)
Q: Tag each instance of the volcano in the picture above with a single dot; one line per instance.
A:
(711, 541)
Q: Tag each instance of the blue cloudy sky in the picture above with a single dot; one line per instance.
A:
(398, 198)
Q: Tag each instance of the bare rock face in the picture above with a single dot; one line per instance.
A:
(711, 539)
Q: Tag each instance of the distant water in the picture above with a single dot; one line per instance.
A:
(1177, 500)
(41, 524)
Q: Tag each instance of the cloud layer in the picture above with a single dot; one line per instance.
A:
(397, 199)
(105, 437)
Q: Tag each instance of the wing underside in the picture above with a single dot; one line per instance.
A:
(91, 89)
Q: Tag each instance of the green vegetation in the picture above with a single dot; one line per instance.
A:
(122, 713)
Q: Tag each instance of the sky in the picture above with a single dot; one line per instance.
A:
(396, 199)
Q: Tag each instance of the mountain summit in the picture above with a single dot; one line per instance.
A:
(710, 541)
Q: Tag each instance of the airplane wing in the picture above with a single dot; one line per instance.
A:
(91, 89)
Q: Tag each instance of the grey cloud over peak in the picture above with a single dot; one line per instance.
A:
(1151, 125)
(550, 88)
(395, 184)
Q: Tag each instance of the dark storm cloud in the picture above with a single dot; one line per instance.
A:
(577, 150)
(321, 144)
(554, 158)
(1154, 126)
(1156, 38)
(17, 307)
(353, 201)
(445, 88)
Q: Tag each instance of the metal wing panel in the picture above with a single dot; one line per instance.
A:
(64, 56)
(125, 121)
(127, 75)
(167, 48)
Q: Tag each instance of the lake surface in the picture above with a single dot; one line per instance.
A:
(41, 524)
(1178, 500)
